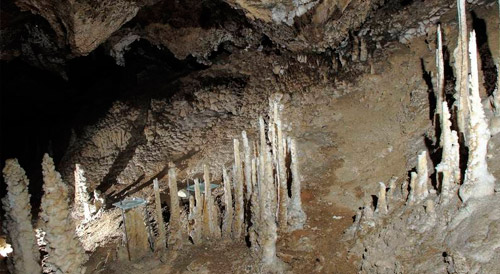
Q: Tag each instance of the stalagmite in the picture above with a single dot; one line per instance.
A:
(413, 186)
(137, 234)
(254, 208)
(161, 242)
(198, 211)
(423, 176)
(496, 93)
(248, 169)
(462, 71)
(210, 227)
(269, 235)
(238, 192)
(17, 223)
(296, 215)
(175, 231)
(392, 187)
(82, 197)
(382, 202)
(440, 72)
(478, 181)
(283, 188)
(228, 203)
(450, 163)
(65, 253)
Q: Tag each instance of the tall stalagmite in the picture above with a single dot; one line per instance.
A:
(268, 232)
(65, 253)
(478, 181)
(238, 192)
(440, 72)
(228, 203)
(462, 71)
(198, 213)
(82, 197)
(450, 163)
(248, 169)
(17, 223)
(296, 215)
(175, 229)
(161, 242)
(282, 178)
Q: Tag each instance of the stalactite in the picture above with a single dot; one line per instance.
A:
(82, 197)
(496, 93)
(248, 169)
(382, 202)
(198, 211)
(423, 176)
(462, 71)
(17, 223)
(238, 192)
(228, 203)
(296, 215)
(65, 253)
(478, 181)
(175, 232)
(161, 241)
(450, 163)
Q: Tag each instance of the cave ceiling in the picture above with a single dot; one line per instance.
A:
(49, 33)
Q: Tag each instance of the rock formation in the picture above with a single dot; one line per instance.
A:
(65, 253)
(175, 240)
(238, 192)
(478, 181)
(296, 215)
(228, 203)
(161, 242)
(17, 223)
(82, 197)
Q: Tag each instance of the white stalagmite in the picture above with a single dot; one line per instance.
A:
(248, 169)
(161, 242)
(82, 197)
(413, 186)
(175, 229)
(440, 72)
(239, 209)
(423, 176)
(392, 187)
(65, 253)
(254, 208)
(17, 223)
(478, 181)
(450, 163)
(268, 235)
(296, 215)
(209, 220)
(382, 201)
(496, 93)
(228, 202)
(198, 211)
(264, 149)
(462, 71)
(283, 188)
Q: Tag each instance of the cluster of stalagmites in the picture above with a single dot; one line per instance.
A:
(255, 205)
(472, 124)
(65, 253)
